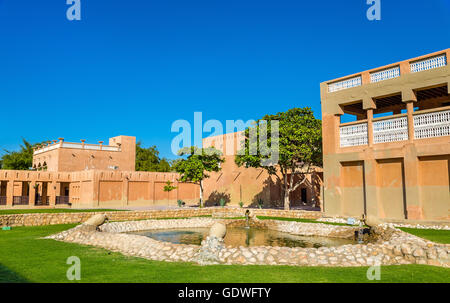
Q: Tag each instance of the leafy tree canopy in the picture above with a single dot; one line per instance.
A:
(169, 187)
(300, 147)
(195, 167)
(18, 160)
(147, 159)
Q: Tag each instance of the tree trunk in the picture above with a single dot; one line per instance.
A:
(201, 194)
(286, 200)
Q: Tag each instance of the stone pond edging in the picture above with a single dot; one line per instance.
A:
(392, 247)
(37, 219)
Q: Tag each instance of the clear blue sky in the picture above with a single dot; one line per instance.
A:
(132, 67)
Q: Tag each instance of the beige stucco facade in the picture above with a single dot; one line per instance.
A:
(249, 185)
(396, 166)
(92, 189)
(58, 155)
(83, 175)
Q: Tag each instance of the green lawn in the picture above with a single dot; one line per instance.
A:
(53, 210)
(26, 258)
(439, 236)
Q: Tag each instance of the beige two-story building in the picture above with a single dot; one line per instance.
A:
(393, 160)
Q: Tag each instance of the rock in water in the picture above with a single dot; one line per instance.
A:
(96, 220)
(373, 221)
(209, 252)
(212, 245)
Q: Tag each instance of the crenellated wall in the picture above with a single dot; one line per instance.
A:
(93, 189)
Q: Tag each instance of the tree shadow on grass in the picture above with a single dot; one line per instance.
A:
(9, 276)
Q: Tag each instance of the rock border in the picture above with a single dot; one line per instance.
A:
(392, 246)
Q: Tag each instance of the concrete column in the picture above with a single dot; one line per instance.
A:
(371, 189)
(332, 186)
(32, 194)
(9, 193)
(365, 77)
(177, 185)
(370, 127)
(96, 189)
(409, 97)
(152, 184)
(125, 190)
(52, 192)
(411, 184)
(410, 111)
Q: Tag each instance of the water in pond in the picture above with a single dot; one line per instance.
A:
(240, 236)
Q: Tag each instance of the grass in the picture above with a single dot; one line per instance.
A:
(439, 236)
(53, 210)
(24, 257)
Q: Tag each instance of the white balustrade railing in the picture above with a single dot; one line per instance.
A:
(77, 146)
(46, 148)
(429, 63)
(430, 125)
(353, 135)
(344, 84)
(390, 130)
(385, 74)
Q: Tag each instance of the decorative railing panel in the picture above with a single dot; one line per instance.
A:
(430, 125)
(21, 200)
(47, 148)
(353, 135)
(390, 130)
(77, 146)
(429, 63)
(344, 84)
(42, 201)
(385, 74)
(62, 200)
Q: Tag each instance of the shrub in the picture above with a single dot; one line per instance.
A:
(180, 203)
(260, 203)
(222, 202)
(241, 204)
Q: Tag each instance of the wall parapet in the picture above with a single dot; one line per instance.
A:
(38, 219)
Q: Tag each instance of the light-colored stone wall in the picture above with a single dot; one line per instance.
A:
(36, 219)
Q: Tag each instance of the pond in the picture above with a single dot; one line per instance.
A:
(241, 236)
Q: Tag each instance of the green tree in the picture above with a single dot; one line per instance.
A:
(168, 188)
(19, 160)
(198, 163)
(147, 159)
(300, 148)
